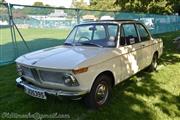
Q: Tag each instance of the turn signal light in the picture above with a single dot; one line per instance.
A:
(80, 70)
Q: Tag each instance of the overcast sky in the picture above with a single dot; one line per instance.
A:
(56, 3)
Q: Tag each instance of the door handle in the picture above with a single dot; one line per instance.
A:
(143, 45)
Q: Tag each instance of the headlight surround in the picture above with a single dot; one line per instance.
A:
(19, 70)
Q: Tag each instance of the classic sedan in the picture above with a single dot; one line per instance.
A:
(94, 58)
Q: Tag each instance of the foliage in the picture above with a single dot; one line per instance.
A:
(78, 4)
(37, 10)
(148, 6)
(104, 5)
(38, 4)
(3, 12)
(2, 1)
(176, 6)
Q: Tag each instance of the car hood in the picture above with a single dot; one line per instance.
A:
(66, 57)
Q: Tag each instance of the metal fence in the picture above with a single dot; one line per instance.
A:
(27, 28)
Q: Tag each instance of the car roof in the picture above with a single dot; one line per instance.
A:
(111, 21)
(123, 20)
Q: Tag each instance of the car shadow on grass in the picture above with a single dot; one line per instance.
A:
(170, 51)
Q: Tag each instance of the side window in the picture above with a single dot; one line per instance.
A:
(143, 33)
(128, 34)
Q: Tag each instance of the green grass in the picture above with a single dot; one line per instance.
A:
(33, 33)
(145, 96)
(36, 38)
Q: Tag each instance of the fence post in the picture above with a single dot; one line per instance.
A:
(11, 29)
(176, 26)
(115, 15)
(78, 16)
(14, 32)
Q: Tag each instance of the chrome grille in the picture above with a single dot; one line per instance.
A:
(47, 76)
(56, 77)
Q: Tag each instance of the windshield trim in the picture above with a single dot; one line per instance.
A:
(103, 24)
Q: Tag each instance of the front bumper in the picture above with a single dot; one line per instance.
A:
(25, 85)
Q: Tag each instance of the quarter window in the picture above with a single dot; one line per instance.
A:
(143, 33)
(128, 34)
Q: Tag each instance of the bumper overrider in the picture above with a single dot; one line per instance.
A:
(42, 93)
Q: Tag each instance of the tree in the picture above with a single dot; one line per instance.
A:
(38, 4)
(104, 5)
(148, 6)
(176, 6)
(2, 1)
(144, 6)
(38, 10)
(79, 4)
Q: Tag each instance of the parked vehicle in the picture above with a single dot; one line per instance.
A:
(94, 58)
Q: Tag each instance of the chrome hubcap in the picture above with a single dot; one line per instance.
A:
(101, 93)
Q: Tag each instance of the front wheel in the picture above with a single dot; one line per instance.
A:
(100, 92)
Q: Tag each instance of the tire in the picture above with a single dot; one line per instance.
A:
(100, 92)
(153, 65)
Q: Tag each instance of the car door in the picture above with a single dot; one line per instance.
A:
(129, 49)
(145, 53)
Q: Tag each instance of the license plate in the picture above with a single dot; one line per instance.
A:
(35, 93)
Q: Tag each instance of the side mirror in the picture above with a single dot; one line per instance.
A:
(93, 28)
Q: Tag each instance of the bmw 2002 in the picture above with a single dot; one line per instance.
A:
(94, 58)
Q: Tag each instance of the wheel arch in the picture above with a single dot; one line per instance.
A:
(156, 53)
(110, 74)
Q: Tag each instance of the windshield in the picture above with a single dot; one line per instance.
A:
(93, 35)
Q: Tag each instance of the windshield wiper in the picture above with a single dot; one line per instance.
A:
(91, 44)
(70, 44)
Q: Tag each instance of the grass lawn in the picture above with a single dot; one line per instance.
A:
(145, 96)
(36, 38)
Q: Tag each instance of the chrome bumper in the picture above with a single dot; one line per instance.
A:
(23, 84)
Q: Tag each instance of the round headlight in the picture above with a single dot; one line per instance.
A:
(67, 80)
(70, 80)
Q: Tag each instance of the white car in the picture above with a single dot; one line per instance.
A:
(94, 58)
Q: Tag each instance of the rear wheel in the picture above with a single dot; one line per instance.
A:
(100, 92)
(153, 65)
